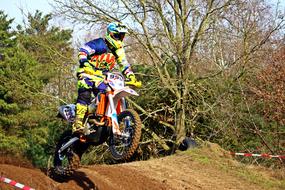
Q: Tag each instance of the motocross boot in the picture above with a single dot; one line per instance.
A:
(80, 113)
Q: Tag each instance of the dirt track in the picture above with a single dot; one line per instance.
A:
(182, 171)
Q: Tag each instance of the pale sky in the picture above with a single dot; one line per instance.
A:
(12, 8)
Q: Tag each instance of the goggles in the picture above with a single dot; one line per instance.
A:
(118, 36)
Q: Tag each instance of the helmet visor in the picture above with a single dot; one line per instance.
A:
(118, 36)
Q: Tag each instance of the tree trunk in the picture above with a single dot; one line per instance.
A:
(180, 122)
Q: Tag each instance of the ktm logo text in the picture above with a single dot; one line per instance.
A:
(104, 60)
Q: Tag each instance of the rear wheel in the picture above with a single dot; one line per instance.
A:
(123, 147)
(66, 162)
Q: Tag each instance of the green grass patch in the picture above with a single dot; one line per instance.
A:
(257, 178)
(214, 157)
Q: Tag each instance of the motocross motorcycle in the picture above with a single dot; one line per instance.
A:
(107, 120)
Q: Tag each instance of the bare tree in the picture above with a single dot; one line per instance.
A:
(212, 34)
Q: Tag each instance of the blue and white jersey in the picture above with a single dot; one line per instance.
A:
(99, 56)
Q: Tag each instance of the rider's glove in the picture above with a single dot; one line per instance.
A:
(133, 80)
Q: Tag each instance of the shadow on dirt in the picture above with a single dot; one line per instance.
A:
(79, 177)
(83, 181)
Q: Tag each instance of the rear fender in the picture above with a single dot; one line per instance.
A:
(67, 112)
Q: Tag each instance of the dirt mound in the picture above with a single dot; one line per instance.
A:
(209, 167)
(15, 160)
(26, 176)
(112, 178)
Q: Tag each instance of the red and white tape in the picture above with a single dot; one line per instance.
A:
(257, 155)
(14, 183)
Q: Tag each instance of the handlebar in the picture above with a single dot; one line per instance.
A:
(127, 82)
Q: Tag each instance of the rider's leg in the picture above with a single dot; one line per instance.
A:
(85, 88)
(83, 100)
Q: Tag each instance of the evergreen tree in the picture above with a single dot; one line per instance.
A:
(36, 72)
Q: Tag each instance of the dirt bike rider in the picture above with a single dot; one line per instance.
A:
(94, 57)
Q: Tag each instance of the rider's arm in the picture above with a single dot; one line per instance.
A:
(85, 66)
(124, 65)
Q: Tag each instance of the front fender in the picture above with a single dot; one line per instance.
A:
(117, 96)
(126, 91)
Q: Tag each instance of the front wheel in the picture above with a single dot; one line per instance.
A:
(123, 147)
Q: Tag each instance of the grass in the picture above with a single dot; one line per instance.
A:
(214, 156)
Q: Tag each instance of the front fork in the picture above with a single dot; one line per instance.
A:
(114, 117)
